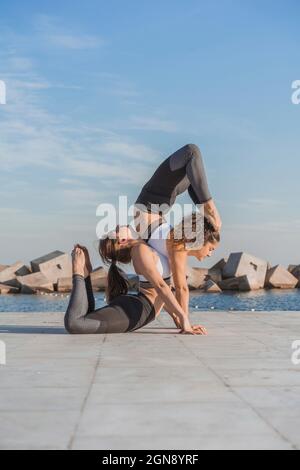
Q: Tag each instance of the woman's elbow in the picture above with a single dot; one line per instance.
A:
(71, 326)
(161, 287)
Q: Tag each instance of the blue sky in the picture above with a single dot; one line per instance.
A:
(98, 93)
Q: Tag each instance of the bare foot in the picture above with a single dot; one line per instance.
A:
(88, 265)
(78, 261)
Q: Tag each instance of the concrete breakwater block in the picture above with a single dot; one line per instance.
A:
(279, 277)
(34, 282)
(243, 264)
(23, 271)
(5, 289)
(99, 279)
(291, 268)
(64, 284)
(196, 277)
(212, 287)
(295, 271)
(133, 281)
(241, 283)
(9, 274)
(220, 265)
(215, 275)
(54, 265)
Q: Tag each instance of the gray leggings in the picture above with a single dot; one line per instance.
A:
(124, 314)
(182, 171)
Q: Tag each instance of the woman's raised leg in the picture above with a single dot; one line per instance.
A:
(190, 158)
(183, 171)
(81, 316)
(76, 321)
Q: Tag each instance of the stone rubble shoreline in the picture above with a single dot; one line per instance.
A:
(239, 272)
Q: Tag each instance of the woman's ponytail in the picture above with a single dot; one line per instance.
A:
(116, 283)
(111, 253)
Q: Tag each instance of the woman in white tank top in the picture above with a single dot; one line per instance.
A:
(177, 244)
(154, 273)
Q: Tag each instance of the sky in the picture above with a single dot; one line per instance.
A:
(99, 93)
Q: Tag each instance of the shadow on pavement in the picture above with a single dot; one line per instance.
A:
(52, 330)
(44, 330)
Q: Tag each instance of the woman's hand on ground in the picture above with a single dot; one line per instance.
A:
(200, 330)
(194, 330)
(188, 329)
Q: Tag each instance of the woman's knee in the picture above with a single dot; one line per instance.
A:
(193, 150)
(72, 326)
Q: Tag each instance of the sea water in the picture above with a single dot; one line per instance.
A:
(262, 300)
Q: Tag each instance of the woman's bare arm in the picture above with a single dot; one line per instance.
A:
(178, 263)
(173, 316)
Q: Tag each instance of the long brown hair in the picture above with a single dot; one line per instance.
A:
(111, 253)
(210, 233)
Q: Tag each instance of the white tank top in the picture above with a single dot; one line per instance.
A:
(157, 242)
(158, 239)
(163, 267)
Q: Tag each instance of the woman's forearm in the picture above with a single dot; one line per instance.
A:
(183, 296)
(178, 263)
(172, 305)
(173, 316)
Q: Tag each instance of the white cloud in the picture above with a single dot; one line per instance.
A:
(117, 86)
(253, 203)
(153, 124)
(51, 30)
(74, 42)
(132, 151)
(31, 135)
(19, 64)
(79, 196)
(94, 169)
(70, 181)
(284, 226)
(263, 202)
(10, 211)
(86, 163)
(122, 90)
(109, 174)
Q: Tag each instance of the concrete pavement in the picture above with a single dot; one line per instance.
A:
(153, 389)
